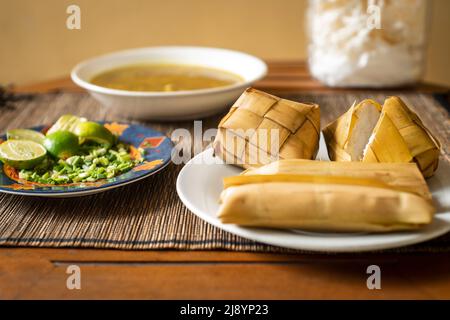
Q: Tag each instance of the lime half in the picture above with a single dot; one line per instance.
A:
(22, 154)
(25, 134)
(62, 144)
(93, 131)
(67, 122)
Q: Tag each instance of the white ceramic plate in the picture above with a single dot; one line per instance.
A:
(200, 182)
(177, 105)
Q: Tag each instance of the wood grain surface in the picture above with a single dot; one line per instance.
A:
(41, 273)
(283, 76)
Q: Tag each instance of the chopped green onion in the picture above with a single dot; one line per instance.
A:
(96, 163)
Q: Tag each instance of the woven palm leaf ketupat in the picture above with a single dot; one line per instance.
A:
(370, 132)
(261, 128)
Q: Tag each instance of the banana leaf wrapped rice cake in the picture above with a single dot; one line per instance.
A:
(328, 196)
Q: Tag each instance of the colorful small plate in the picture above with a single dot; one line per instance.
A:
(157, 155)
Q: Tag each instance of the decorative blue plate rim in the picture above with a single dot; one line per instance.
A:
(158, 149)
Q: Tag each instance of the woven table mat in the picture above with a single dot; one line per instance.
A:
(148, 214)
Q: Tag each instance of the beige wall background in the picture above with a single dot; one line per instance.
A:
(36, 45)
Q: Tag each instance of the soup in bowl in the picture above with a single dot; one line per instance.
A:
(169, 83)
(164, 78)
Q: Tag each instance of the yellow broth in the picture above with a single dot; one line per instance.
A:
(164, 77)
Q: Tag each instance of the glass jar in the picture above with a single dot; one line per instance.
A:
(367, 43)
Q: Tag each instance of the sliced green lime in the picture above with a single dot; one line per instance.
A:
(62, 144)
(93, 131)
(25, 134)
(22, 154)
(67, 122)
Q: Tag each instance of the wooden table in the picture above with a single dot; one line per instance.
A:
(41, 273)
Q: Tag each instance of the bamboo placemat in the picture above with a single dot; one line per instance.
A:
(148, 213)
